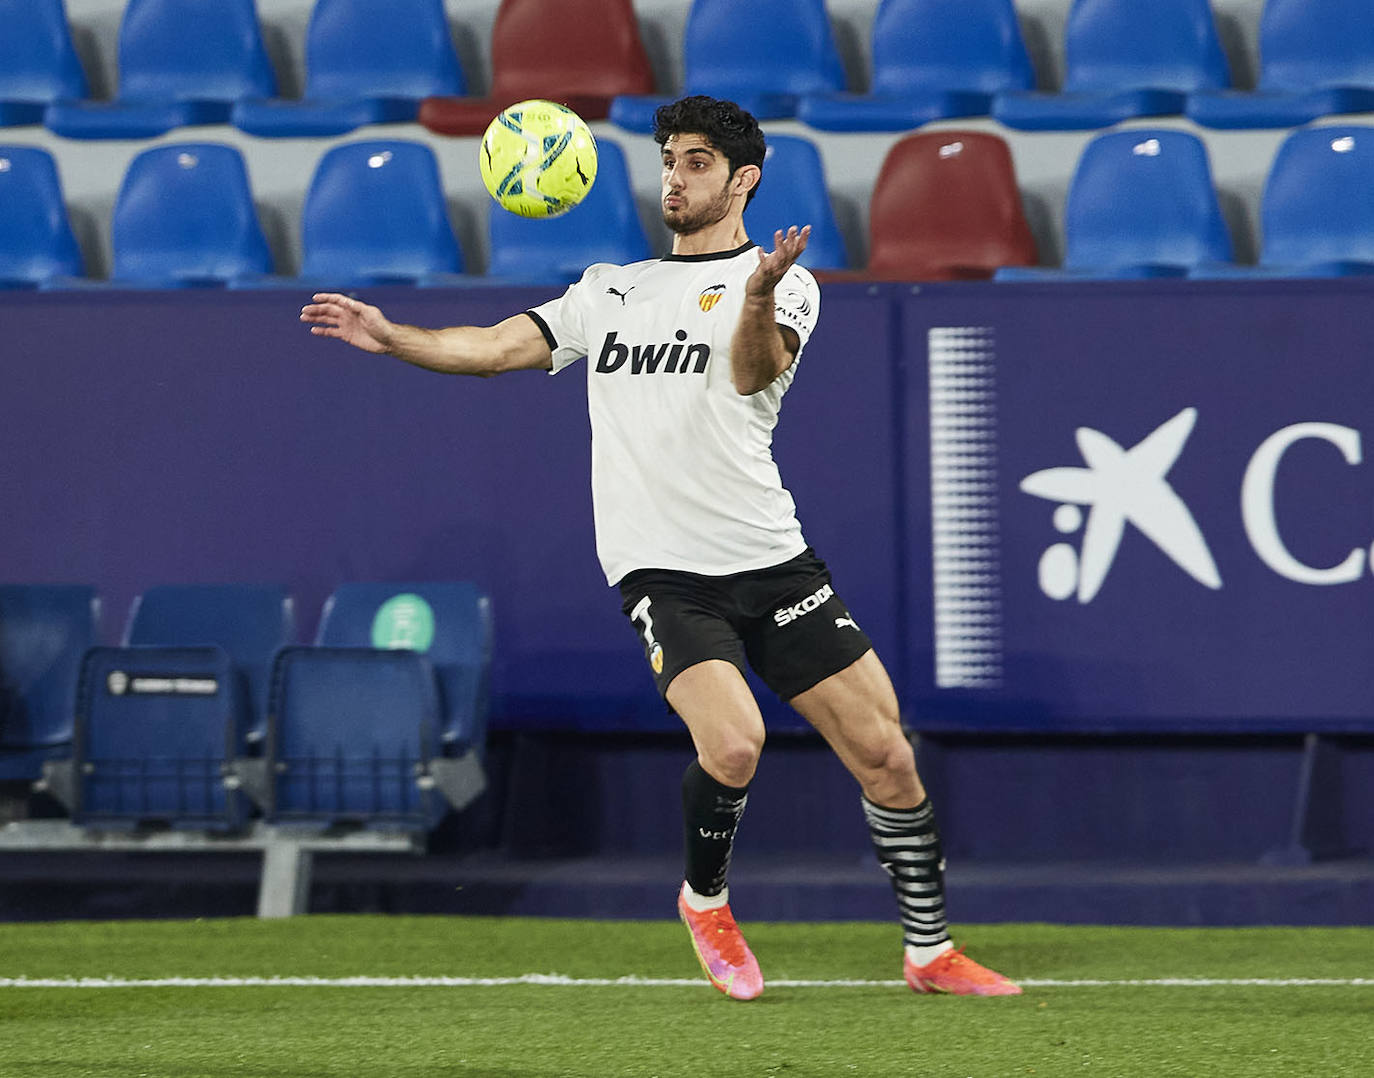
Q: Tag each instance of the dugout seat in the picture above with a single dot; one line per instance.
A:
(1316, 59)
(161, 719)
(375, 213)
(581, 53)
(1141, 204)
(932, 59)
(946, 206)
(1124, 59)
(38, 62)
(250, 622)
(155, 737)
(382, 722)
(45, 629)
(172, 77)
(603, 227)
(764, 56)
(366, 62)
(794, 192)
(37, 246)
(1316, 214)
(184, 217)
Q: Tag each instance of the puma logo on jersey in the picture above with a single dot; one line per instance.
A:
(617, 292)
(785, 615)
(840, 623)
(666, 358)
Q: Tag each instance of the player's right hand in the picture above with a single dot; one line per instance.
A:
(332, 314)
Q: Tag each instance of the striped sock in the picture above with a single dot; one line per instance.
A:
(907, 843)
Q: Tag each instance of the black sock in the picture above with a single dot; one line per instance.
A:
(908, 846)
(710, 814)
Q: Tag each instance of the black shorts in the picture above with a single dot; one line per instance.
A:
(785, 621)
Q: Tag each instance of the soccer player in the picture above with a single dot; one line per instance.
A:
(688, 358)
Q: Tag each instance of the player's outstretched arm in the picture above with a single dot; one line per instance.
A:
(761, 349)
(514, 344)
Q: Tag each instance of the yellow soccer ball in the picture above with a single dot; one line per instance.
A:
(538, 159)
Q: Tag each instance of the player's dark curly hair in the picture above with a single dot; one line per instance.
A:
(725, 125)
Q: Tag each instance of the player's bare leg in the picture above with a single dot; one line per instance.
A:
(714, 701)
(856, 711)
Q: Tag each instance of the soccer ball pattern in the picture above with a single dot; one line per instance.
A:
(538, 159)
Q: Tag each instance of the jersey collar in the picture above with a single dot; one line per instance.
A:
(711, 256)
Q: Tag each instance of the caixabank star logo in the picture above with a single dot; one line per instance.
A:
(1110, 493)
(1119, 487)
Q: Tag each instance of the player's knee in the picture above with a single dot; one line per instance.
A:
(734, 757)
(886, 759)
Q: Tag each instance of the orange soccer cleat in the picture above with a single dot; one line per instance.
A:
(721, 950)
(956, 974)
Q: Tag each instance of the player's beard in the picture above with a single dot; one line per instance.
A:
(688, 220)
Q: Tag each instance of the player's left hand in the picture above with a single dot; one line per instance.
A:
(787, 248)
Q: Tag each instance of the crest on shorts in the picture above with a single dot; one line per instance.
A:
(710, 296)
(656, 658)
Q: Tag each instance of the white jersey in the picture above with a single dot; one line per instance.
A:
(682, 465)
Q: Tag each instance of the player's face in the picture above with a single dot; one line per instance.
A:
(697, 185)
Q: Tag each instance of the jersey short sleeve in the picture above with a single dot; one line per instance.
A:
(797, 302)
(563, 321)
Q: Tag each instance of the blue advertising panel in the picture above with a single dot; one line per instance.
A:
(164, 437)
(1141, 505)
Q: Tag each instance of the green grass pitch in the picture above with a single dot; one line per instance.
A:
(454, 996)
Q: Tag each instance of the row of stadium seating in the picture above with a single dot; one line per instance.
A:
(945, 206)
(208, 710)
(387, 61)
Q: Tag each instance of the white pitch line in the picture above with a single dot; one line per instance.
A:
(560, 980)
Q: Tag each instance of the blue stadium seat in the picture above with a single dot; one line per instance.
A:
(37, 247)
(932, 59)
(1316, 212)
(38, 63)
(1316, 59)
(448, 622)
(1124, 59)
(45, 629)
(184, 217)
(180, 64)
(249, 622)
(764, 55)
(375, 213)
(794, 192)
(603, 227)
(366, 62)
(160, 719)
(352, 749)
(1141, 204)
(156, 732)
(364, 721)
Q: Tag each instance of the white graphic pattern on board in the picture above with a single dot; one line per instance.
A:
(966, 566)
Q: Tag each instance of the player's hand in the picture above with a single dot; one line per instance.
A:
(787, 248)
(359, 324)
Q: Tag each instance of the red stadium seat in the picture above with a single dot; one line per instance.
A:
(946, 206)
(580, 53)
